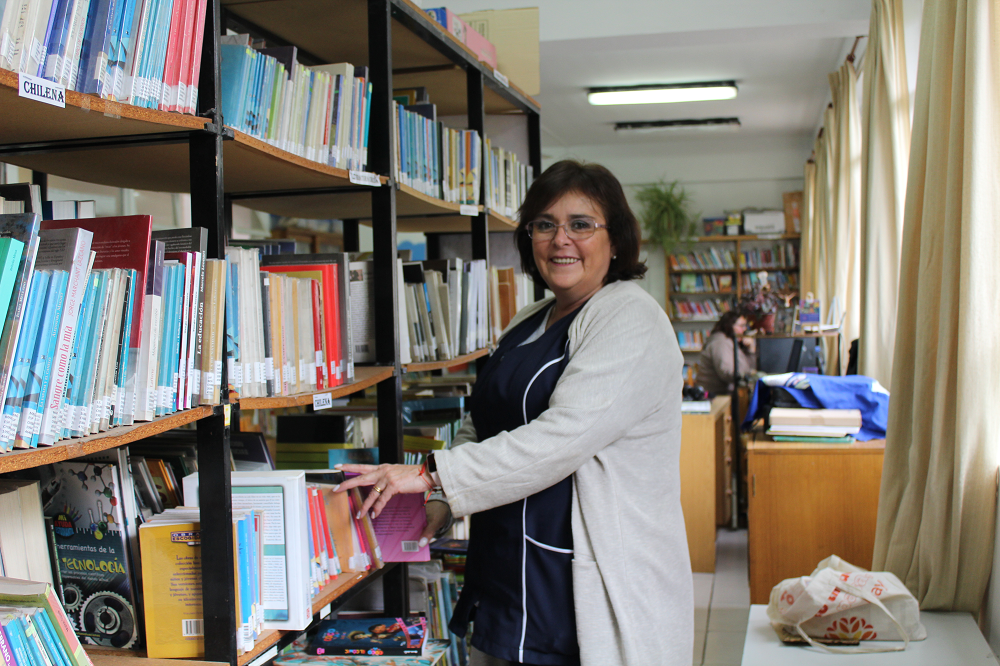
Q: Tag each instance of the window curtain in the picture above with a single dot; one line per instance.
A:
(885, 149)
(807, 258)
(820, 244)
(843, 242)
(937, 503)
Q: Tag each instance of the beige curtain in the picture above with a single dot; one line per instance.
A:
(807, 259)
(938, 497)
(820, 245)
(884, 154)
(843, 244)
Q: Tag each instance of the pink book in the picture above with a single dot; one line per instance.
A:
(194, 71)
(398, 529)
(176, 100)
(171, 71)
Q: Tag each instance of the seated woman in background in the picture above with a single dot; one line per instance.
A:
(570, 458)
(715, 367)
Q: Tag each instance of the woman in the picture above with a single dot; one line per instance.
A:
(569, 460)
(715, 367)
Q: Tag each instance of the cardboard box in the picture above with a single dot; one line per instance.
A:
(763, 222)
(793, 212)
(514, 33)
(451, 22)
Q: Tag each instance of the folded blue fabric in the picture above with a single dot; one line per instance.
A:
(826, 392)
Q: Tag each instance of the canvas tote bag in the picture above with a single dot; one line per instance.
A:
(840, 600)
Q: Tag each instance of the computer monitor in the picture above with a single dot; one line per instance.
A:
(778, 355)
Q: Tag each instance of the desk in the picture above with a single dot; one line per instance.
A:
(953, 639)
(706, 477)
(806, 502)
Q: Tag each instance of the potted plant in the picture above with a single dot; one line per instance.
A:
(663, 211)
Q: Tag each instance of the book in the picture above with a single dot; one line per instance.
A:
(85, 501)
(41, 595)
(790, 416)
(380, 636)
(22, 227)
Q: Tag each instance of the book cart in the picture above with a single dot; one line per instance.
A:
(119, 145)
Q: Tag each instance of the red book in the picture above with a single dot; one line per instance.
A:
(171, 66)
(327, 274)
(327, 534)
(318, 334)
(177, 98)
(193, 73)
(319, 544)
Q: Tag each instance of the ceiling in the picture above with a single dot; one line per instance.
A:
(778, 51)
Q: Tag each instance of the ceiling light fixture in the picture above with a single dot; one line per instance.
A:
(663, 93)
(683, 124)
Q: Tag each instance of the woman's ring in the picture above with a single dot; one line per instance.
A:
(377, 489)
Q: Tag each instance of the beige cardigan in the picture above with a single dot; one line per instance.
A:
(614, 423)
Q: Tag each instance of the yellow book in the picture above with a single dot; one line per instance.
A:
(171, 575)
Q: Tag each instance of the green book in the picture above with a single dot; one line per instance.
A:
(11, 250)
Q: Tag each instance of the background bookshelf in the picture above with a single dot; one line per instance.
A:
(108, 143)
(706, 277)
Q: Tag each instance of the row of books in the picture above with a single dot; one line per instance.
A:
(779, 280)
(698, 283)
(780, 255)
(143, 52)
(813, 425)
(34, 627)
(433, 158)
(320, 113)
(707, 309)
(692, 341)
(710, 259)
(447, 313)
(506, 179)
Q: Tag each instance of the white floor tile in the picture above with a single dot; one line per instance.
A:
(730, 603)
(724, 647)
(728, 619)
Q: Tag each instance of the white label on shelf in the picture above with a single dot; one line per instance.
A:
(466, 209)
(258, 371)
(365, 178)
(226, 414)
(768, 236)
(501, 79)
(509, 211)
(40, 90)
(324, 611)
(322, 401)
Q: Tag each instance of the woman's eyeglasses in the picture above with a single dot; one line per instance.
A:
(578, 229)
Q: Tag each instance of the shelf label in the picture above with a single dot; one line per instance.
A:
(226, 413)
(768, 236)
(509, 211)
(324, 611)
(466, 209)
(40, 90)
(501, 79)
(365, 178)
(322, 401)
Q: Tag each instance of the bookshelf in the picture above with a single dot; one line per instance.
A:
(108, 143)
(690, 325)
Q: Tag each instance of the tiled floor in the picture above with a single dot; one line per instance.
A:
(722, 603)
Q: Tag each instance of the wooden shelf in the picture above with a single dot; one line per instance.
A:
(793, 269)
(501, 221)
(102, 656)
(364, 376)
(726, 239)
(343, 38)
(73, 448)
(327, 595)
(702, 270)
(442, 365)
(703, 293)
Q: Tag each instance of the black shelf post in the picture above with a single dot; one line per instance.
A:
(477, 122)
(210, 209)
(390, 393)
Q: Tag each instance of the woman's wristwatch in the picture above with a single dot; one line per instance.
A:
(432, 471)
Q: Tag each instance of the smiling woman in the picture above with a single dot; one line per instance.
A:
(569, 459)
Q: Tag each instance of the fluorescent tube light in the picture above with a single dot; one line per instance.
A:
(663, 94)
(683, 124)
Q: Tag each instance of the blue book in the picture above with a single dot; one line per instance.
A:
(48, 371)
(233, 73)
(41, 360)
(23, 227)
(141, 51)
(79, 413)
(31, 638)
(73, 378)
(169, 311)
(243, 551)
(15, 639)
(94, 42)
(253, 94)
(367, 118)
(180, 277)
(270, 72)
(124, 368)
(247, 97)
(50, 640)
(232, 326)
(105, 76)
(116, 66)
(57, 19)
(22, 361)
(11, 251)
(154, 72)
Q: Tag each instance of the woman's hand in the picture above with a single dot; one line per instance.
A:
(749, 344)
(386, 481)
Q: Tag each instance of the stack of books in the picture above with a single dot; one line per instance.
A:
(820, 426)
(711, 259)
(506, 179)
(33, 625)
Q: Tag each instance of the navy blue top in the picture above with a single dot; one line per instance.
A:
(518, 576)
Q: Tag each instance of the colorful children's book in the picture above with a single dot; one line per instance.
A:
(379, 636)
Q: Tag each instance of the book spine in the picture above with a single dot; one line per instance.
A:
(6, 650)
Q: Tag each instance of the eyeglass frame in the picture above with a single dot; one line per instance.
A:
(529, 227)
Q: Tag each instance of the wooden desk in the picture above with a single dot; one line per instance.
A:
(706, 476)
(806, 502)
(952, 638)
